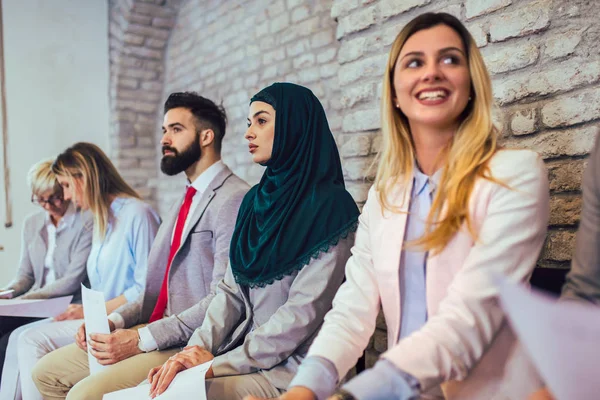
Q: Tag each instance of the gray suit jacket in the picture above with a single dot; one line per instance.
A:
(197, 267)
(73, 246)
(583, 281)
(269, 330)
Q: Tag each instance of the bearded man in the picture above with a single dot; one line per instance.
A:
(188, 258)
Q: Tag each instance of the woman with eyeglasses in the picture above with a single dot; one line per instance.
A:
(55, 246)
(123, 231)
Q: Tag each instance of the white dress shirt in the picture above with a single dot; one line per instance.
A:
(52, 231)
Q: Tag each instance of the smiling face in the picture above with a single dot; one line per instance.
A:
(261, 131)
(432, 83)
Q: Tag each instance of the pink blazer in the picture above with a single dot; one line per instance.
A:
(466, 348)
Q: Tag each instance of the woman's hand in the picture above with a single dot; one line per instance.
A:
(295, 393)
(74, 311)
(161, 377)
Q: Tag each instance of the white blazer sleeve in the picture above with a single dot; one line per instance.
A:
(351, 323)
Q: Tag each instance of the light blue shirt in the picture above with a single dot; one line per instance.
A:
(117, 265)
(413, 301)
(320, 375)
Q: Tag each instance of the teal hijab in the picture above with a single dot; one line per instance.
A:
(301, 207)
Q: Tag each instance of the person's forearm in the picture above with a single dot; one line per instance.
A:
(115, 303)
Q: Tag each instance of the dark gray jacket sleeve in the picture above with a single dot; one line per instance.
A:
(583, 281)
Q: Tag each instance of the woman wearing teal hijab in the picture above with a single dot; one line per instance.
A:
(287, 256)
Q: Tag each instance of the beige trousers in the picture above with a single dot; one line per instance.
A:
(64, 373)
(237, 386)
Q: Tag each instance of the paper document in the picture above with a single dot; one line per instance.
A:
(34, 308)
(561, 337)
(96, 321)
(188, 384)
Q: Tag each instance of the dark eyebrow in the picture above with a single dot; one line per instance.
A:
(448, 49)
(441, 51)
(256, 114)
(173, 125)
(414, 53)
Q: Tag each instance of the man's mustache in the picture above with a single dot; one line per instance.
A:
(171, 149)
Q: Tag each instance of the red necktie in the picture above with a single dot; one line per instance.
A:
(161, 303)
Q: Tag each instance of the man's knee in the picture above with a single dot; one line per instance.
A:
(86, 389)
(42, 373)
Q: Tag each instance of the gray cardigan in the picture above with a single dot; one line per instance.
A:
(73, 246)
(269, 330)
(583, 281)
(197, 267)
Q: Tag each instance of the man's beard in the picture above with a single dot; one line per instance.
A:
(180, 161)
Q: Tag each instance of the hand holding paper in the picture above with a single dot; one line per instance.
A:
(116, 346)
(161, 377)
(189, 384)
(96, 321)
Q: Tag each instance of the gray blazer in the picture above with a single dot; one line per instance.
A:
(197, 267)
(269, 330)
(583, 281)
(73, 246)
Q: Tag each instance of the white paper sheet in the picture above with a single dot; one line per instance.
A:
(188, 384)
(96, 321)
(562, 338)
(34, 308)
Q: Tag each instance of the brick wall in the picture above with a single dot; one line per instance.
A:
(138, 34)
(545, 65)
(542, 54)
(229, 50)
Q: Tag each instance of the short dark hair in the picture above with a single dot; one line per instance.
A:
(208, 114)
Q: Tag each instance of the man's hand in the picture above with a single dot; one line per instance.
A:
(295, 393)
(114, 347)
(80, 337)
(74, 311)
(542, 394)
(161, 377)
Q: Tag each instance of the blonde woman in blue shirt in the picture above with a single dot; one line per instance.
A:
(124, 229)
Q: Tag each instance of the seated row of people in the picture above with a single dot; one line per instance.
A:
(252, 279)
(108, 248)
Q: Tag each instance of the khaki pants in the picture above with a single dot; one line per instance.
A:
(64, 373)
(237, 386)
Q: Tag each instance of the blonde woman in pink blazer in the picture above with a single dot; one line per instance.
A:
(449, 211)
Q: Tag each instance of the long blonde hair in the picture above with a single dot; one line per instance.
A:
(100, 180)
(466, 156)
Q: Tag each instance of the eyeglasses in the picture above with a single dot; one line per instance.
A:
(54, 200)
